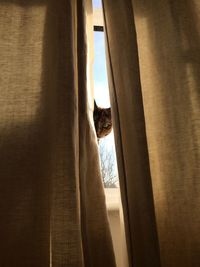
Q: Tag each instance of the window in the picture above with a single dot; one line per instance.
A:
(101, 94)
(107, 144)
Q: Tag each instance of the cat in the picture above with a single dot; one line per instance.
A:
(102, 121)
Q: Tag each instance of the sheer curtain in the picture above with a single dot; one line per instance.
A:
(51, 196)
(153, 61)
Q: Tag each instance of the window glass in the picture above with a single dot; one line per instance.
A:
(97, 13)
(101, 91)
(101, 95)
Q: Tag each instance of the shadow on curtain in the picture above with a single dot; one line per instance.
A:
(52, 202)
(153, 59)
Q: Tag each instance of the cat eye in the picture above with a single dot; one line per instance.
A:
(106, 125)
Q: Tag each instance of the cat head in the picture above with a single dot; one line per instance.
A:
(104, 123)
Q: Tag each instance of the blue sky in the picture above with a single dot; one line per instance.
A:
(100, 75)
(101, 92)
(96, 3)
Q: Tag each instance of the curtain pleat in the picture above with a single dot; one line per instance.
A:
(52, 202)
(153, 62)
(131, 145)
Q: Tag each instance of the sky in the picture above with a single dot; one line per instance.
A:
(101, 92)
(96, 3)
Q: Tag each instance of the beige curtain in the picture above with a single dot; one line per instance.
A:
(51, 196)
(154, 73)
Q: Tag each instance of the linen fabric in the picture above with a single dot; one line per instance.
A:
(153, 61)
(52, 202)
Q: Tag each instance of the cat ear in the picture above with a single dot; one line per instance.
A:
(95, 105)
(108, 111)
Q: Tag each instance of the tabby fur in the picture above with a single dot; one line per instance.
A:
(102, 121)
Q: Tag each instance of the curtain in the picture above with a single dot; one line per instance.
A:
(153, 61)
(52, 203)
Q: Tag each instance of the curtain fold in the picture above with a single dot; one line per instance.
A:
(153, 62)
(52, 202)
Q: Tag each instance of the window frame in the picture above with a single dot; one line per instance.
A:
(98, 28)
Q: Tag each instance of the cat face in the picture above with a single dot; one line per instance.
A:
(104, 123)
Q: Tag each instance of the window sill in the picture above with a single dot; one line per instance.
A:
(115, 217)
(113, 201)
